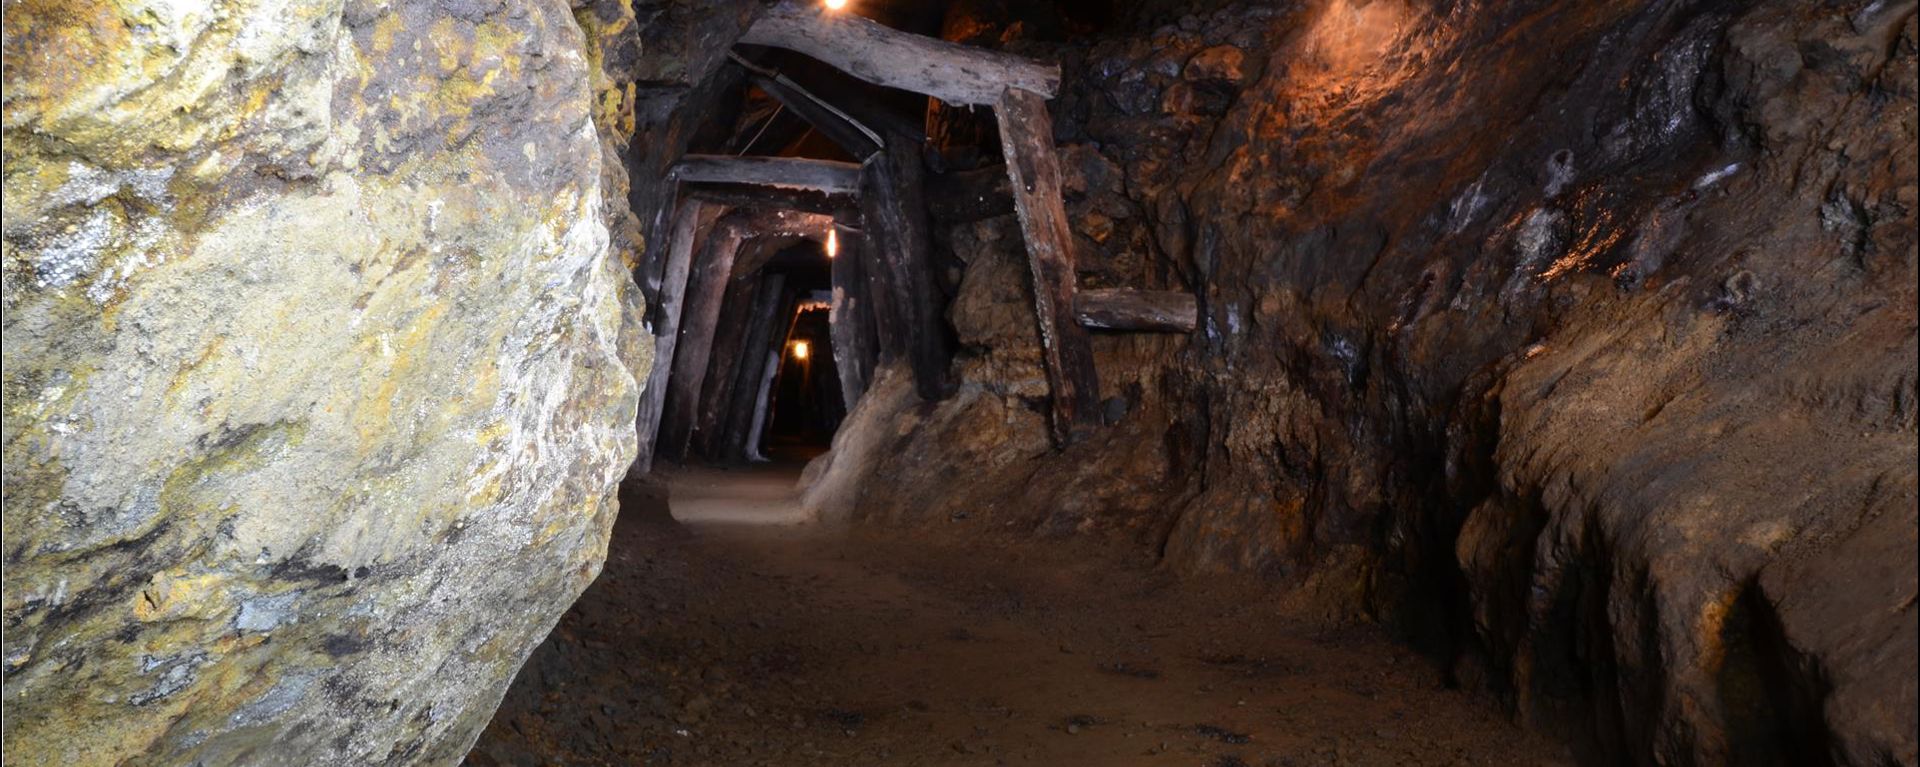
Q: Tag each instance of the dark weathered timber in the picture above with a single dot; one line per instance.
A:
(852, 97)
(966, 196)
(729, 341)
(838, 126)
(894, 204)
(876, 272)
(828, 176)
(954, 73)
(706, 287)
(673, 287)
(1155, 311)
(1026, 136)
(755, 196)
(765, 315)
(850, 324)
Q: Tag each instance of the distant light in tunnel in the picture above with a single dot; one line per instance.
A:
(800, 350)
(834, 5)
(833, 243)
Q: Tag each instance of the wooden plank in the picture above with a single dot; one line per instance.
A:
(954, 73)
(673, 287)
(1155, 311)
(1026, 137)
(895, 213)
(828, 176)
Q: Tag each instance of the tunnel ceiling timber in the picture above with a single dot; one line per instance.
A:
(1572, 343)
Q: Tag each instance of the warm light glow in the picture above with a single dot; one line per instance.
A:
(834, 5)
(800, 350)
(833, 243)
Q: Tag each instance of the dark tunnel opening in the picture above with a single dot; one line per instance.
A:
(801, 405)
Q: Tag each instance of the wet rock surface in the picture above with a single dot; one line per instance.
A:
(319, 371)
(754, 645)
(1576, 343)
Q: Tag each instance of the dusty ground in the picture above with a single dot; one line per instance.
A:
(733, 643)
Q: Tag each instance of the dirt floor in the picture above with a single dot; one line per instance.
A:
(738, 638)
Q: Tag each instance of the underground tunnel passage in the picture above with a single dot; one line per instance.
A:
(869, 382)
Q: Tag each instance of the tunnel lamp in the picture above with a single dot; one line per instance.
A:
(834, 5)
(833, 243)
(800, 350)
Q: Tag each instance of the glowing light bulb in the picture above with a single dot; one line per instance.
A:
(800, 350)
(833, 243)
(834, 5)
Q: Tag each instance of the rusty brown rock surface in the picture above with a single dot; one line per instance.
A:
(1577, 342)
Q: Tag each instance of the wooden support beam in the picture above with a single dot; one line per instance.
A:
(895, 213)
(1156, 311)
(673, 287)
(754, 196)
(827, 176)
(729, 340)
(851, 98)
(851, 326)
(954, 73)
(706, 288)
(838, 126)
(771, 308)
(1026, 137)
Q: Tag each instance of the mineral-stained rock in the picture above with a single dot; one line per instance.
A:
(319, 371)
(1576, 341)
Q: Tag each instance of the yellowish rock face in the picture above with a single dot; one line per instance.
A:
(319, 372)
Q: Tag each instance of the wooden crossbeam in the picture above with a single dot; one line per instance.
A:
(950, 72)
(1154, 311)
(801, 173)
(756, 196)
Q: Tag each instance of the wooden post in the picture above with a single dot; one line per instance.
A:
(1026, 137)
(850, 323)
(729, 341)
(877, 282)
(705, 290)
(666, 334)
(738, 416)
(892, 193)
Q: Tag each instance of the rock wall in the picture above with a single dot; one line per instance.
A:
(320, 362)
(1578, 342)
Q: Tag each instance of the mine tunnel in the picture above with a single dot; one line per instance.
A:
(1226, 383)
